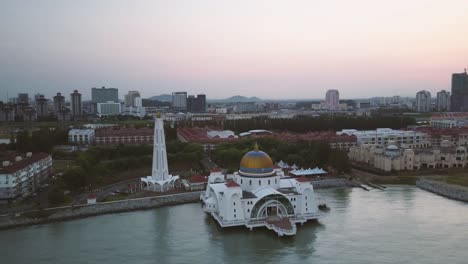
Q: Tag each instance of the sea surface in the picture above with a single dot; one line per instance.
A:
(399, 225)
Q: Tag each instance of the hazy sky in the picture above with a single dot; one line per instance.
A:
(270, 49)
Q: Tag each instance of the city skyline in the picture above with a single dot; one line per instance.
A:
(220, 48)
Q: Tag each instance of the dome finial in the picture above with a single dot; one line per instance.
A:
(158, 115)
(256, 146)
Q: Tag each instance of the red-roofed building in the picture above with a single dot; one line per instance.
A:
(201, 135)
(115, 136)
(20, 176)
(208, 137)
(216, 169)
(196, 183)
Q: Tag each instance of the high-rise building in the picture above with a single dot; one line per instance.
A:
(104, 95)
(7, 112)
(443, 101)
(423, 101)
(76, 106)
(42, 106)
(59, 103)
(179, 101)
(196, 104)
(332, 100)
(459, 92)
(130, 98)
(23, 98)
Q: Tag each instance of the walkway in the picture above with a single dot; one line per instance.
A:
(281, 225)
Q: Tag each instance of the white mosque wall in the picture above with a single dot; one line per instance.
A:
(251, 184)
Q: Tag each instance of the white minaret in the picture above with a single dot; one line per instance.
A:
(160, 170)
(160, 180)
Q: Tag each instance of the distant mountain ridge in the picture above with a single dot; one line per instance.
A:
(232, 99)
(162, 98)
(240, 98)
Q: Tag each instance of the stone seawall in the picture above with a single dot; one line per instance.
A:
(81, 211)
(332, 183)
(451, 191)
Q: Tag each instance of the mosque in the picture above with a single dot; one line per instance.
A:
(259, 195)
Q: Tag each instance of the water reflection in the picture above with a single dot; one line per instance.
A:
(239, 243)
(361, 227)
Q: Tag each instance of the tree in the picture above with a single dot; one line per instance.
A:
(56, 196)
(75, 179)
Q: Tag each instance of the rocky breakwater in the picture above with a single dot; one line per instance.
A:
(80, 211)
(451, 191)
(332, 183)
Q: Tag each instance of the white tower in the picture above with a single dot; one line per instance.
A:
(160, 169)
(160, 179)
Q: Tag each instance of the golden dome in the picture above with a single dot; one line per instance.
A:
(256, 161)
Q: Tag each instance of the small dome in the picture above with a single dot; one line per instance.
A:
(256, 162)
(392, 147)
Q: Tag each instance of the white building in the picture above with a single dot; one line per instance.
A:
(393, 158)
(258, 196)
(443, 101)
(21, 176)
(332, 100)
(109, 108)
(383, 136)
(423, 101)
(81, 136)
(160, 179)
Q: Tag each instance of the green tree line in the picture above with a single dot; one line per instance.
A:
(303, 154)
(302, 124)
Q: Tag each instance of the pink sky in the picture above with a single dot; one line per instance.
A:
(270, 49)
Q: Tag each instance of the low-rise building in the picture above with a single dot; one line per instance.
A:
(383, 136)
(114, 136)
(21, 176)
(109, 108)
(81, 136)
(393, 158)
(456, 136)
(207, 137)
(196, 183)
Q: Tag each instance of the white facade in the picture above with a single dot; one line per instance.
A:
(136, 109)
(22, 176)
(259, 196)
(332, 100)
(81, 136)
(423, 101)
(109, 108)
(392, 158)
(160, 179)
(384, 136)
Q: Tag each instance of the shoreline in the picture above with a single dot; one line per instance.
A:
(450, 191)
(66, 213)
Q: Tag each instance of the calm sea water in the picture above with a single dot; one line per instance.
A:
(399, 225)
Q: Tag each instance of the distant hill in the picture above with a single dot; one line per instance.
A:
(232, 99)
(239, 98)
(162, 98)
